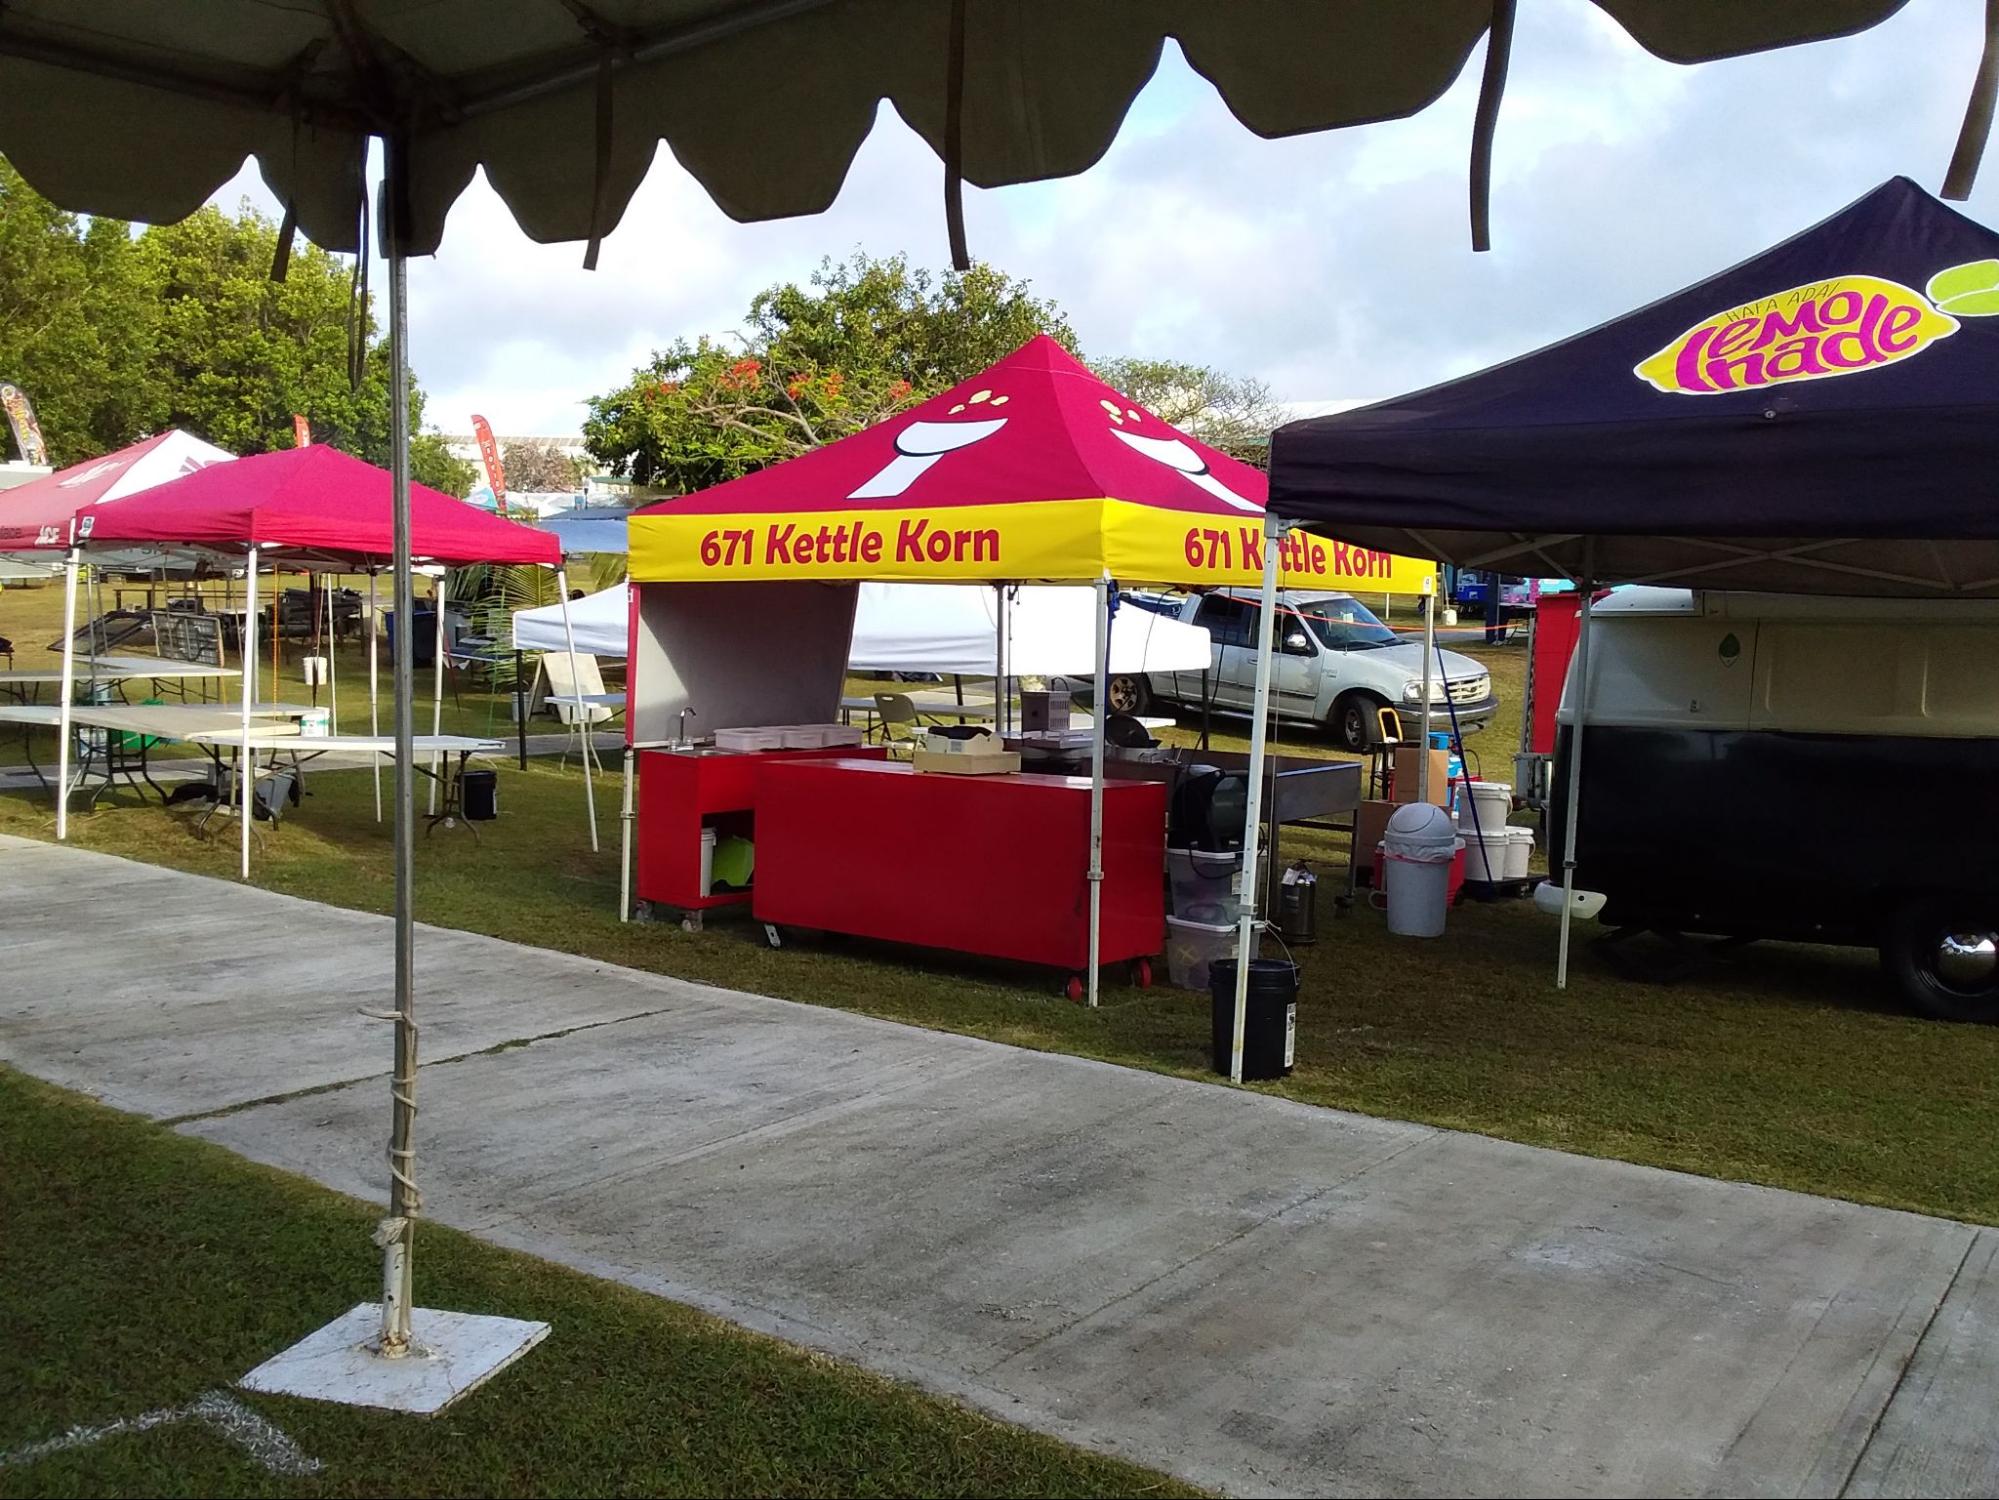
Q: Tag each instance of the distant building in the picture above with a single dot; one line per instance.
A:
(464, 446)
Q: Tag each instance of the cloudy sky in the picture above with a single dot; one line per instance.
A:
(1334, 266)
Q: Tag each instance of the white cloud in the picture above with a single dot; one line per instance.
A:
(1333, 266)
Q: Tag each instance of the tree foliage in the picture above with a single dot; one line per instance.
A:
(537, 465)
(114, 335)
(865, 338)
(1231, 412)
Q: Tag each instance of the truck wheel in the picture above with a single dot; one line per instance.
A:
(1944, 956)
(1353, 723)
(1129, 693)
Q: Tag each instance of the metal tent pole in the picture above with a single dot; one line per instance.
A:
(1000, 705)
(1574, 799)
(1274, 532)
(437, 684)
(68, 689)
(332, 656)
(397, 1235)
(625, 850)
(582, 712)
(374, 700)
(246, 772)
(1429, 661)
(1102, 707)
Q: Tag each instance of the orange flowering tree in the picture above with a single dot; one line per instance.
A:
(863, 340)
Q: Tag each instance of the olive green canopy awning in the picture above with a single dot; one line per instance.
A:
(143, 108)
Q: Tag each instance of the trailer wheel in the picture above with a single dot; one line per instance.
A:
(1944, 956)
(1073, 990)
(1352, 721)
(1141, 973)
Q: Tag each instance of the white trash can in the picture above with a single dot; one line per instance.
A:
(1420, 842)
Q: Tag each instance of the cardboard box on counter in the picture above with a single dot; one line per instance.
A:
(1409, 771)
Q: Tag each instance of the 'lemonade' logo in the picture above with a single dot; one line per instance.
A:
(1836, 327)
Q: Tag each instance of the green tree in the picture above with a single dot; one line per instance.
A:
(114, 336)
(74, 322)
(865, 338)
(1231, 412)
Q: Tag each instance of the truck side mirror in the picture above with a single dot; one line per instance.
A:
(1297, 643)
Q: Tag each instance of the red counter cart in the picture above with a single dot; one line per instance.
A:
(992, 865)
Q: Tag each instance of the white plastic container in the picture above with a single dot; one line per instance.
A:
(707, 861)
(314, 723)
(1491, 806)
(1487, 854)
(1417, 850)
(1519, 853)
(1192, 946)
(800, 737)
(1202, 883)
(749, 739)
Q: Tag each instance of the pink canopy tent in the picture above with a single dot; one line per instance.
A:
(36, 517)
(314, 500)
(317, 507)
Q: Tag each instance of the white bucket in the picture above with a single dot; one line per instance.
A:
(1486, 855)
(1519, 852)
(1492, 805)
(314, 723)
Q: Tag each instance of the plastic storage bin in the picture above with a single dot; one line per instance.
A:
(1201, 883)
(1192, 948)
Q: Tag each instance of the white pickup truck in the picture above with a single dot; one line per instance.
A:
(1335, 664)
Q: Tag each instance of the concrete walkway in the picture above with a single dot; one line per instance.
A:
(1260, 1296)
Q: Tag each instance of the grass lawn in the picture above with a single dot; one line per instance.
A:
(144, 1268)
(1786, 1065)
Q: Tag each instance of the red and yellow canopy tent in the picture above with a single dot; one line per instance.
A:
(1033, 470)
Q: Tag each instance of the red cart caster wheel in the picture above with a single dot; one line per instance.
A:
(1073, 990)
(1141, 973)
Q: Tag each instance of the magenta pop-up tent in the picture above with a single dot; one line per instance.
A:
(317, 508)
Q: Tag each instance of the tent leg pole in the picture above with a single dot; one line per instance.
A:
(1092, 978)
(521, 707)
(397, 1235)
(1574, 790)
(437, 685)
(332, 656)
(374, 695)
(68, 690)
(1429, 664)
(246, 773)
(1001, 717)
(625, 853)
(1274, 532)
(582, 711)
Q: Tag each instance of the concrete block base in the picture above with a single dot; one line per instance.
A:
(452, 1353)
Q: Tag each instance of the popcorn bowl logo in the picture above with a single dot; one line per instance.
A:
(1836, 327)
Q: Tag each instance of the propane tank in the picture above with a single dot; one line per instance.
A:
(1298, 905)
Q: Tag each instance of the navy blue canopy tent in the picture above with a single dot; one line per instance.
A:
(1822, 418)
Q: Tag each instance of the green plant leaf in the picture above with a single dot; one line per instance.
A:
(1967, 291)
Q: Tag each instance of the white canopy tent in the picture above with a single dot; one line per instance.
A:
(949, 629)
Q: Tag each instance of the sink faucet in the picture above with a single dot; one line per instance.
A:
(680, 740)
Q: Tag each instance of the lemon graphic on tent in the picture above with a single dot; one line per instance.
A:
(1967, 291)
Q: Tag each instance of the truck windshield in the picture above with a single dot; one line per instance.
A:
(1345, 625)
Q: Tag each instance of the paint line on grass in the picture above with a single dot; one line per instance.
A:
(265, 1442)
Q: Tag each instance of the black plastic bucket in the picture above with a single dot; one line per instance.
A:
(1270, 1018)
(479, 795)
